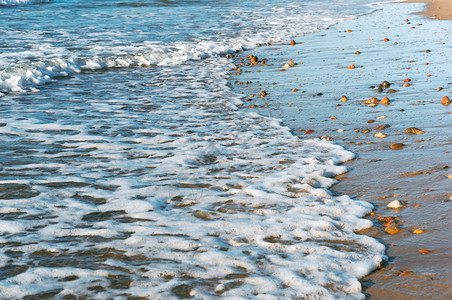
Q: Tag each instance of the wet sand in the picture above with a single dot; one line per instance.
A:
(437, 9)
(352, 59)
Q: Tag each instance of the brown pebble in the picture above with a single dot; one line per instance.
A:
(292, 43)
(391, 91)
(413, 130)
(406, 80)
(385, 84)
(385, 101)
(295, 90)
(397, 146)
(263, 94)
(373, 100)
(371, 121)
(254, 60)
(386, 40)
(445, 100)
(392, 229)
(406, 84)
(343, 99)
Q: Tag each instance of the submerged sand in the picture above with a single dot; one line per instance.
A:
(351, 59)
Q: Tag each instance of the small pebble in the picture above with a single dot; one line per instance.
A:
(343, 99)
(413, 130)
(445, 101)
(372, 100)
(396, 204)
(385, 101)
(392, 229)
(397, 146)
(380, 135)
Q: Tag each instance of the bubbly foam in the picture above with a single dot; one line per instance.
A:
(181, 195)
(146, 180)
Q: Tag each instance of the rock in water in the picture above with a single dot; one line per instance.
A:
(396, 204)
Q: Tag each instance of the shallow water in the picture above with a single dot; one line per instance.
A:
(127, 170)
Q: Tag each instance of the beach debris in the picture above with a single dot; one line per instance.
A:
(424, 251)
(309, 131)
(262, 94)
(413, 130)
(397, 146)
(381, 117)
(287, 66)
(392, 229)
(351, 67)
(445, 101)
(343, 99)
(380, 135)
(373, 100)
(292, 43)
(385, 101)
(396, 204)
(418, 231)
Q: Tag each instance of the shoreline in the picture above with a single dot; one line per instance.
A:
(351, 59)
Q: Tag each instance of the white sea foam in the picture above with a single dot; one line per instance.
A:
(152, 183)
(195, 197)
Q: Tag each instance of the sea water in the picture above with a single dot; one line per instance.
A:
(127, 170)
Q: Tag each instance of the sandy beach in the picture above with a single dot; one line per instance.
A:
(376, 85)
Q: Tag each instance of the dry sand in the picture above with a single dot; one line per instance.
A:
(437, 9)
(394, 44)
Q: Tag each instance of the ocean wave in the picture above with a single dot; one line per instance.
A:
(21, 2)
(27, 76)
